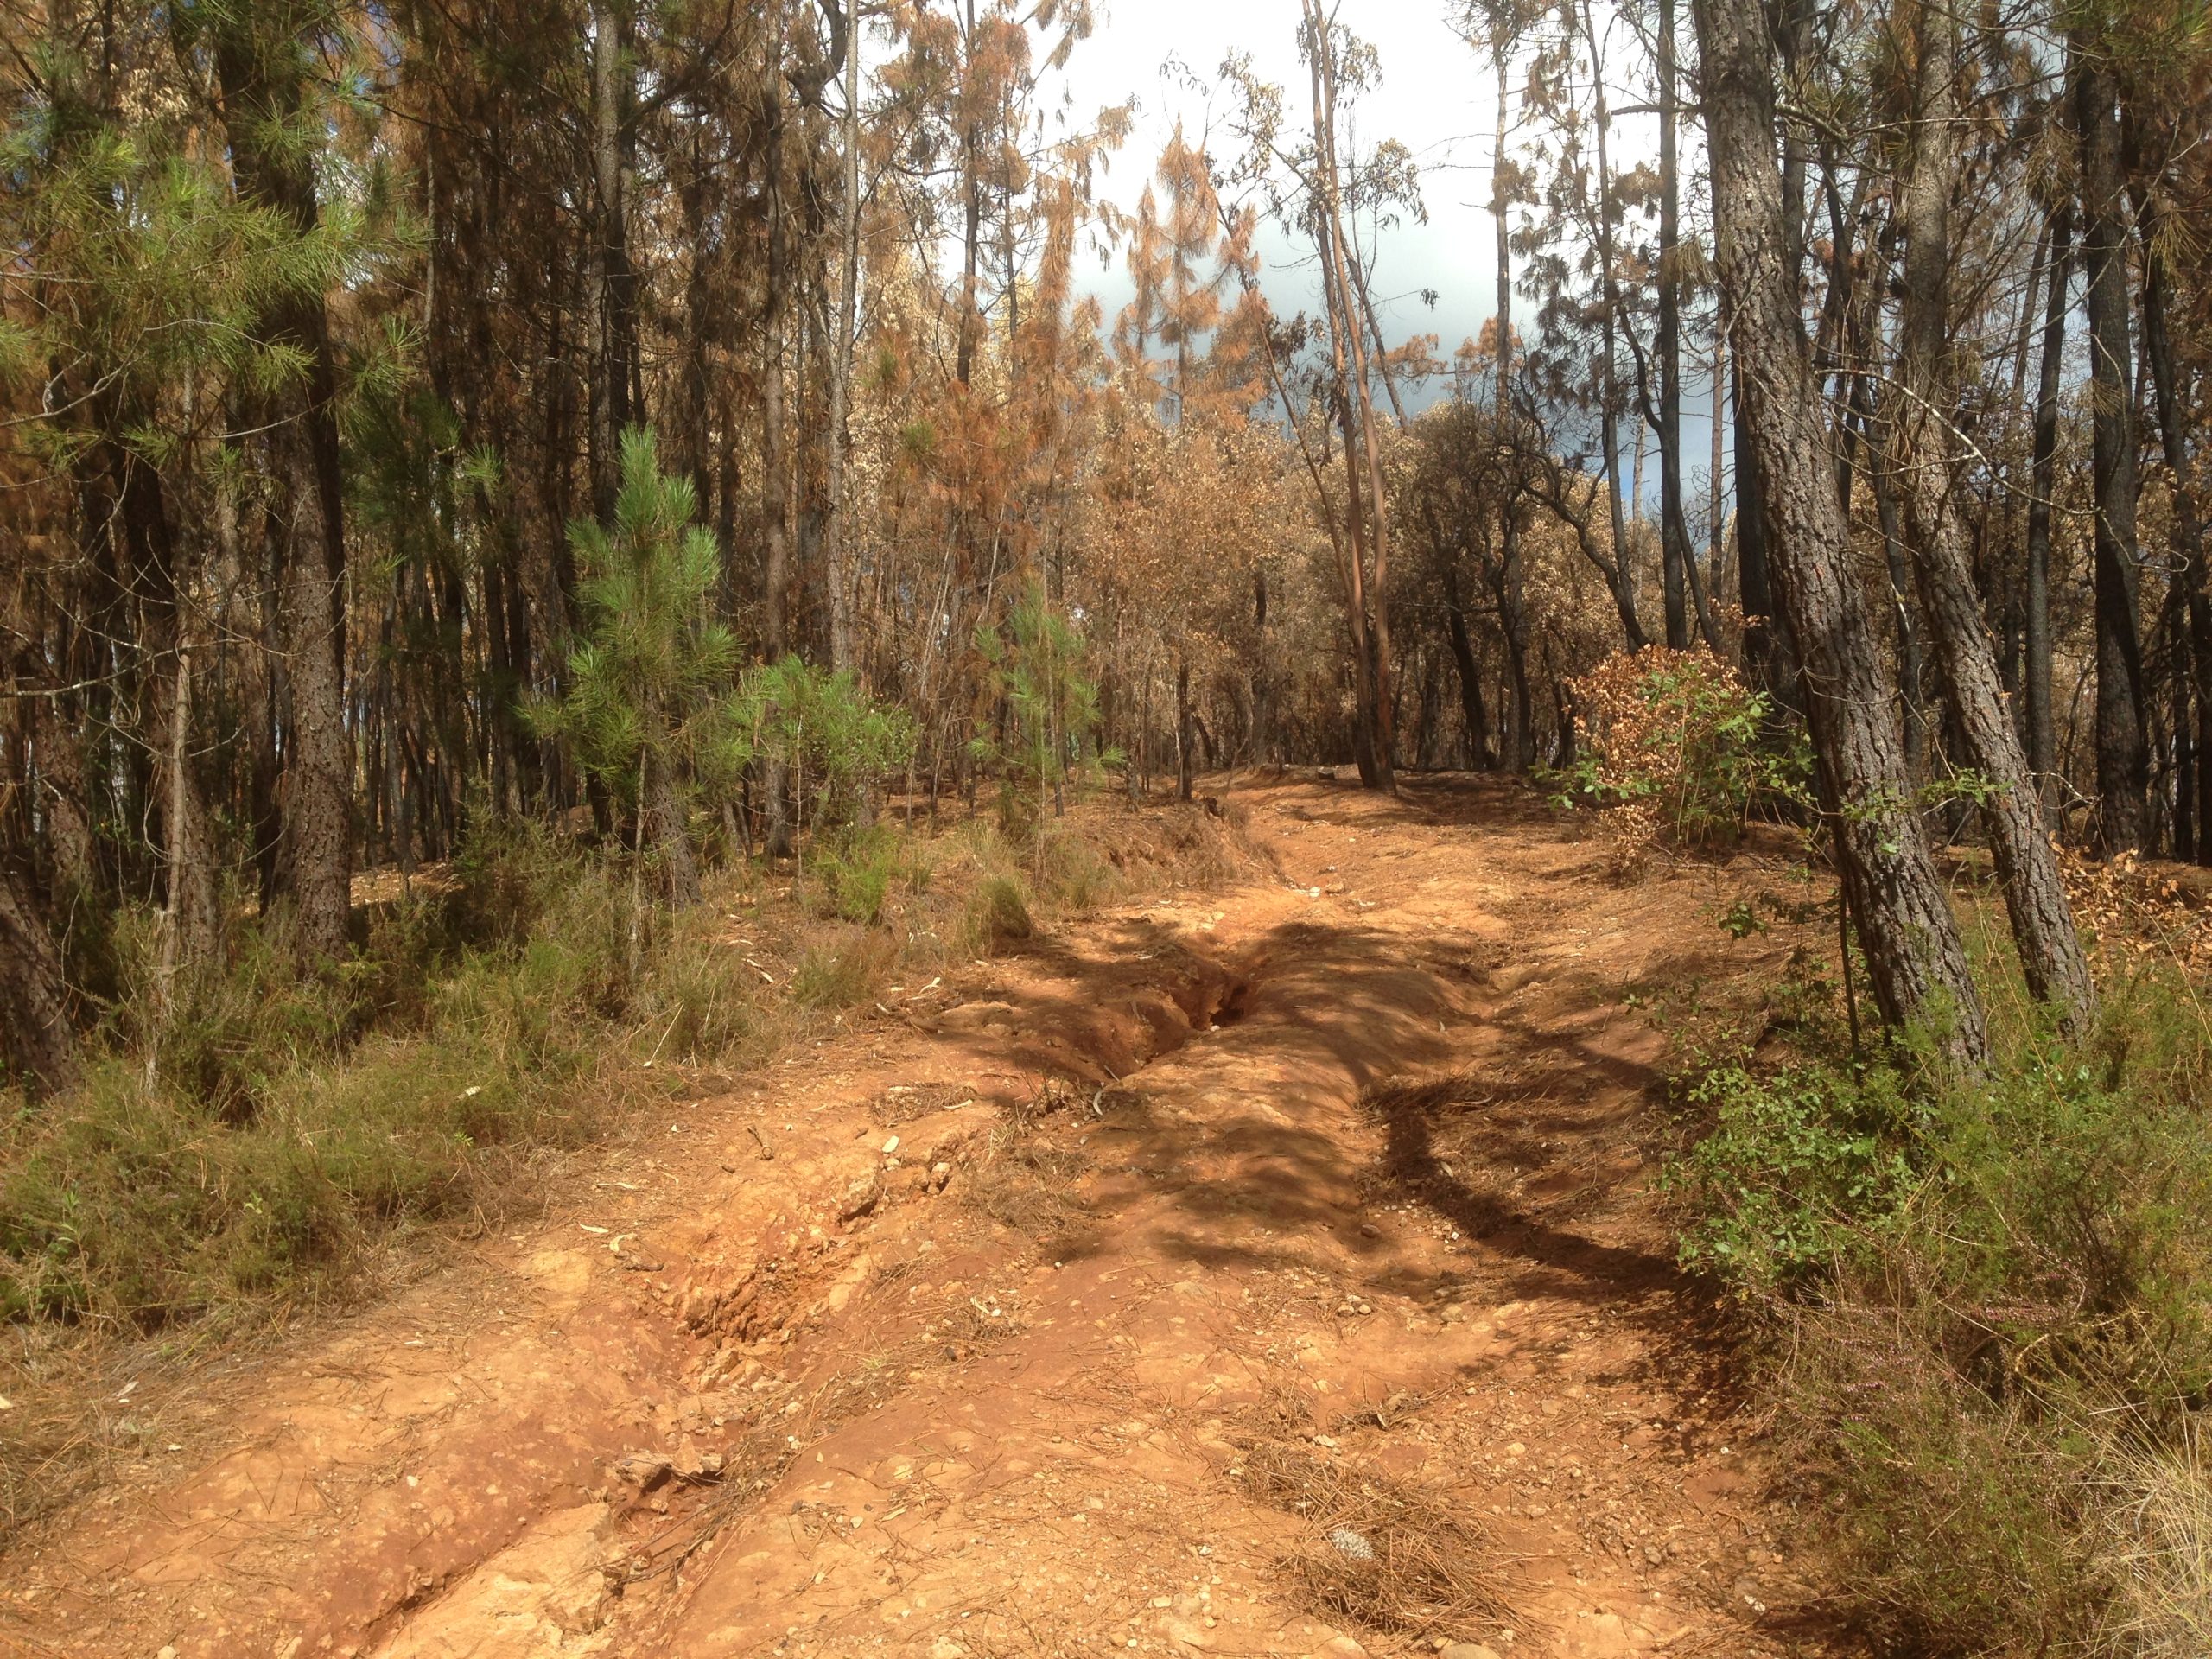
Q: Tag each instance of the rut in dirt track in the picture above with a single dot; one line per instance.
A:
(1272, 1273)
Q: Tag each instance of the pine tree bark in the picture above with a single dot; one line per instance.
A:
(605, 270)
(260, 80)
(2122, 743)
(1186, 756)
(837, 553)
(1471, 674)
(1501, 198)
(1678, 560)
(34, 1008)
(775, 442)
(1609, 393)
(1920, 456)
(2043, 748)
(1914, 960)
(672, 835)
(2186, 525)
(188, 915)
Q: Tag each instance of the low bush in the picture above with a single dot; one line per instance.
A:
(1993, 1306)
(1798, 1170)
(843, 971)
(245, 1147)
(857, 871)
(1677, 749)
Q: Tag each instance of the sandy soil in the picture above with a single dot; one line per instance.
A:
(1270, 1271)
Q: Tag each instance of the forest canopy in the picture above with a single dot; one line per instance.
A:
(428, 419)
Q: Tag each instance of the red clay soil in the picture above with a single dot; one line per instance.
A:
(1271, 1271)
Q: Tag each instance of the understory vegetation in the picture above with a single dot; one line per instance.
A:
(254, 1152)
(1985, 1301)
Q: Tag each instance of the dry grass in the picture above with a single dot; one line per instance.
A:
(1383, 1553)
(1027, 1185)
(2156, 1549)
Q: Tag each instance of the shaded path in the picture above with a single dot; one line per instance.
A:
(1273, 1271)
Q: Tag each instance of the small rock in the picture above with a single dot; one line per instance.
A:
(703, 1468)
(860, 1197)
(890, 1145)
(645, 1471)
(1467, 1650)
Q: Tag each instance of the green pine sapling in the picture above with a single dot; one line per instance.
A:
(652, 706)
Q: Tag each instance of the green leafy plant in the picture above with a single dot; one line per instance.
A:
(650, 705)
(1037, 667)
(856, 871)
(1678, 749)
(1796, 1168)
(837, 742)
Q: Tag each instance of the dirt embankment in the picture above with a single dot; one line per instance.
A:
(1274, 1271)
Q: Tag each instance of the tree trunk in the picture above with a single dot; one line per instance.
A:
(663, 807)
(2185, 525)
(1765, 657)
(2044, 470)
(836, 552)
(775, 448)
(1914, 960)
(1513, 623)
(971, 184)
(1500, 199)
(2123, 748)
(1677, 554)
(1716, 498)
(1184, 758)
(1371, 758)
(308, 509)
(34, 1007)
(1608, 374)
(1471, 674)
(1324, 133)
(1919, 446)
(603, 277)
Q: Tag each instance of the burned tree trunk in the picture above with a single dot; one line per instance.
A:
(1919, 444)
(2123, 748)
(1914, 959)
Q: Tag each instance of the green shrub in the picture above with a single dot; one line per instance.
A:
(1678, 748)
(855, 875)
(1797, 1169)
(1994, 1306)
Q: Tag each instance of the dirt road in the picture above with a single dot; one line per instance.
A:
(1273, 1271)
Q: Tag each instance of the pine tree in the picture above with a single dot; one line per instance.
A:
(650, 705)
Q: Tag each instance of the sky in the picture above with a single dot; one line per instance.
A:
(1437, 97)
